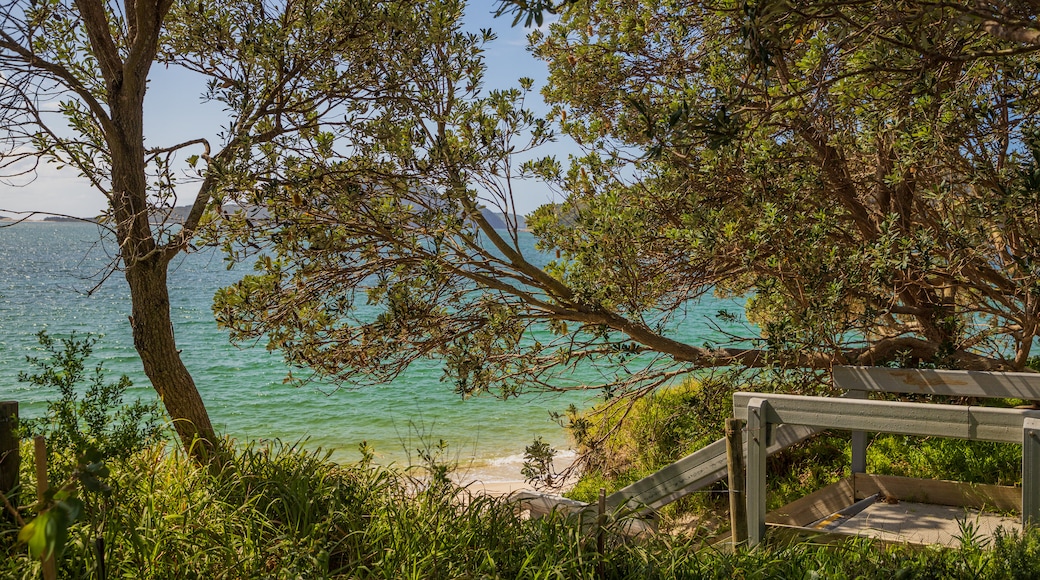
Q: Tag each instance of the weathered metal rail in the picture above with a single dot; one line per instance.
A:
(860, 415)
(708, 464)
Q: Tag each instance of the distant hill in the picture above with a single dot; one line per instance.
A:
(497, 220)
(55, 218)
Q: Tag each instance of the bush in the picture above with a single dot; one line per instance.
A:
(88, 426)
(90, 413)
(620, 438)
(280, 511)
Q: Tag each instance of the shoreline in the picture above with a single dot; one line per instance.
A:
(502, 477)
(488, 474)
(489, 463)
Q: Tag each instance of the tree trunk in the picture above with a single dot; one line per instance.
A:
(145, 261)
(154, 341)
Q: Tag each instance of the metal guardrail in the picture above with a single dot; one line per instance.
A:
(859, 382)
(980, 384)
(700, 469)
(696, 471)
(693, 472)
(924, 419)
(708, 464)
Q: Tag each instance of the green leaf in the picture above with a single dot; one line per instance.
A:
(71, 509)
(92, 456)
(40, 534)
(47, 533)
(93, 484)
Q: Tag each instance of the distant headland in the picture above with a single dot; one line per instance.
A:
(177, 215)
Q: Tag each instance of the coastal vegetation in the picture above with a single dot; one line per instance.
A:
(865, 176)
(296, 80)
(862, 177)
(273, 509)
(276, 510)
(125, 503)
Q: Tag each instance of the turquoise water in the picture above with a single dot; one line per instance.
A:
(47, 268)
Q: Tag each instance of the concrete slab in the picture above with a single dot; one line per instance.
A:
(921, 523)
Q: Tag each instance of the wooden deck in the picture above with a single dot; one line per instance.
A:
(922, 523)
(898, 510)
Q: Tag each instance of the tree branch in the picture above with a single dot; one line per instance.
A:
(95, 20)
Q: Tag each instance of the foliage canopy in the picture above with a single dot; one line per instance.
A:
(866, 174)
(297, 79)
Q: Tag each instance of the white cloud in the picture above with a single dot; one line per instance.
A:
(50, 190)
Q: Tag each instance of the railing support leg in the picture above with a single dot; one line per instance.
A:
(1031, 471)
(756, 469)
(859, 452)
(859, 441)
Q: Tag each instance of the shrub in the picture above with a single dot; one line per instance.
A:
(86, 427)
(280, 511)
(90, 413)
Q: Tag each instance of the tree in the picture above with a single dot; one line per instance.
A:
(294, 77)
(867, 174)
(397, 223)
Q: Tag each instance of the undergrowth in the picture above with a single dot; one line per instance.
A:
(625, 442)
(276, 510)
(281, 511)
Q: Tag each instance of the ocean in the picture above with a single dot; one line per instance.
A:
(47, 270)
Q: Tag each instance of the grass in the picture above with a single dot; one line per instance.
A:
(275, 510)
(975, 461)
(281, 511)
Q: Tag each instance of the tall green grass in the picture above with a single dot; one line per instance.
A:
(275, 510)
(281, 511)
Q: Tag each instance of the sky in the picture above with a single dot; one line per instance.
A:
(174, 114)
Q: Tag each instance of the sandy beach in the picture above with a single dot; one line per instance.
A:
(502, 477)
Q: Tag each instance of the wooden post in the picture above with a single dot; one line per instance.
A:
(40, 447)
(757, 428)
(735, 468)
(99, 547)
(601, 520)
(10, 459)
